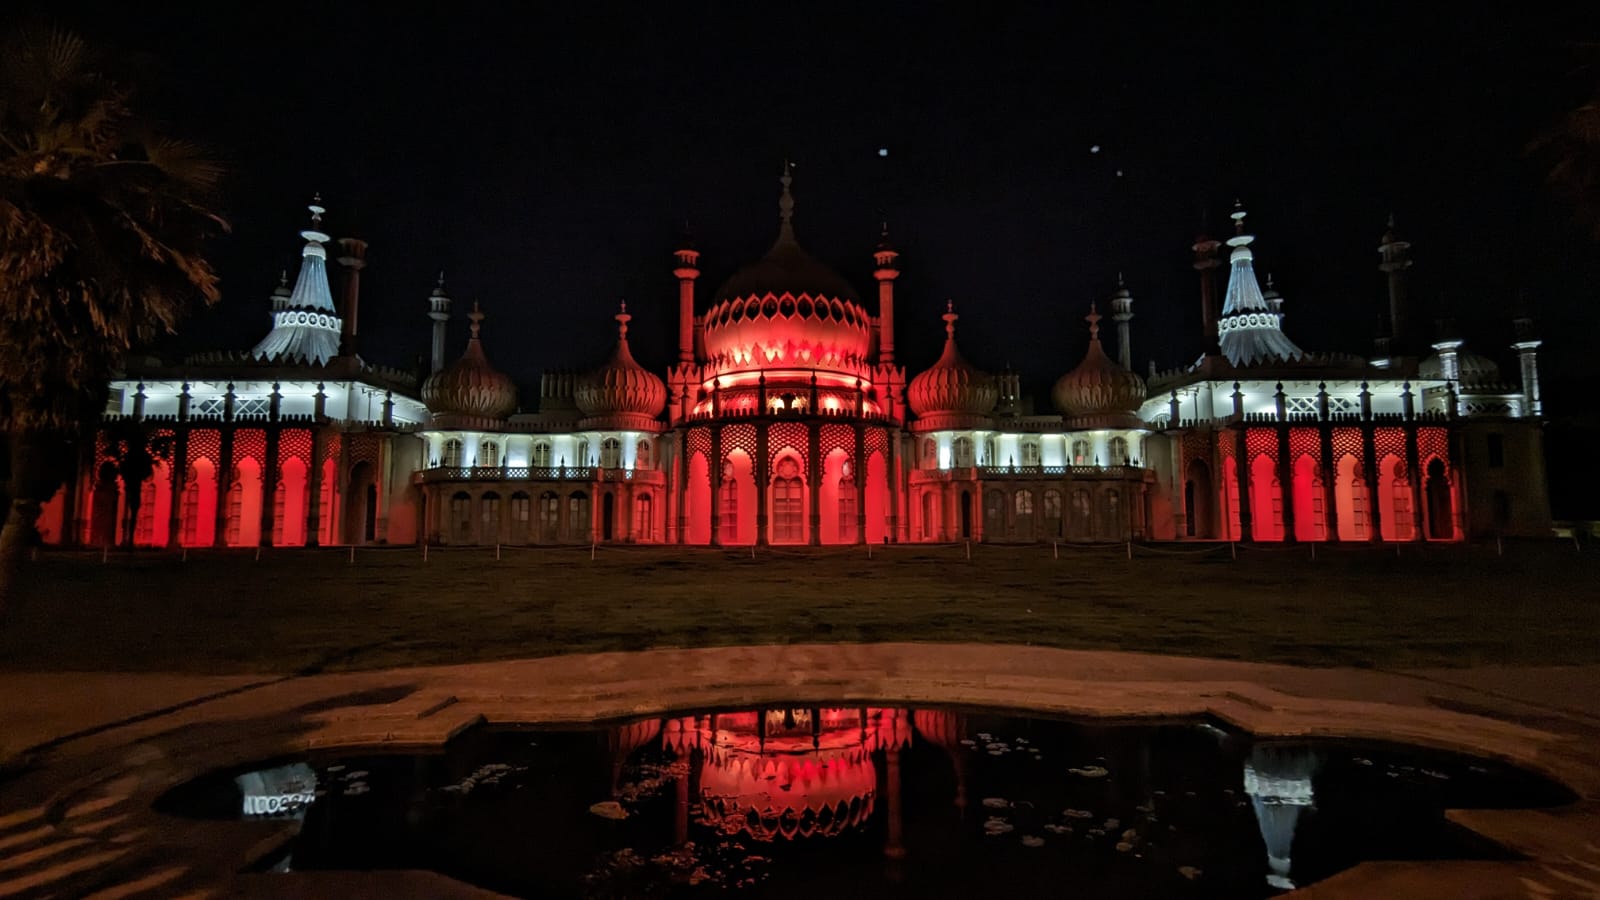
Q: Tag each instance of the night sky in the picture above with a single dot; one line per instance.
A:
(547, 160)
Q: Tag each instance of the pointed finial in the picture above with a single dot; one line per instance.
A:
(1121, 285)
(317, 209)
(476, 317)
(283, 278)
(1093, 318)
(1237, 216)
(786, 202)
(622, 318)
(950, 318)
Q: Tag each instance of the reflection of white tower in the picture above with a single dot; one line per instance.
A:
(1278, 780)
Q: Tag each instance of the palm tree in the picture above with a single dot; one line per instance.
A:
(1570, 151)
(102, 223)
(134, 450)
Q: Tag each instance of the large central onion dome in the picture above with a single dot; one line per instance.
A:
(470, 391)
(953, 393)
(787, 310)
(621, 394)
(1099, 393)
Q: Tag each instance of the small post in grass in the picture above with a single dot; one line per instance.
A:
(424, 551)
(352, 554)
(185, 554)
(1233, 549)
(496, 552)
(1499, 547)
(591, 551)
(1313, 551)
(969, 549)
(869, 549)
(1055, 549)
(105, 553)
(752, 551)
(1397, 549)
(258, 553)
(1130, 549)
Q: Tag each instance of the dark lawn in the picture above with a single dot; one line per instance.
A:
(305, 610)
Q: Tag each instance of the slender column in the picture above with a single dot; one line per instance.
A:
(1414, 480)
(686, 272)
(178, 475)
(715, 474)
(224, 483)
(859, 470)
(891, 468)
(1369, 465)
(885, 273)
(761, 468)
(684, 487)
(1286, 480)
(814, 475)
(269, 486)
(1330, 481)
(1241, 470)
(319, 446)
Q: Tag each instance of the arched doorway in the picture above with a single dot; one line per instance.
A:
(1199, 518)
(461, 518)
(103, 507)
(549, 517)
(1024, 504)
(697, 500)
(490, 515)
(966, 515)
(1266, 499)
(1309, 522)
(608, 516)
(1441, 507)
(521, 513)
(1350, 497)
(361, 505)
(644, 519)
(788, 503)
(578, 520)
(994, 516)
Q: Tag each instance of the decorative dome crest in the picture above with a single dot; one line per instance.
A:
(1099, 389)
(621, 394)
(952, 393)
(470, 390)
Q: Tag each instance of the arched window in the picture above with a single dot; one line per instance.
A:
(643, 519)
(489, 455)
(728, 502)
(1080, 452)
(847, 503)
(1052, 513)
(582, 459)
(991, 451)
(549, 515)
(541, 455)
(1113, 522)
(610, 454)
(641, 455)
(452, 453)
(1024, 523)
(930, 454)
(460, 517)
(520, 509)
(788, 507)
(1119, 451)
(1024, 502)
(490, 513)
(1030, 451)
(578, 516)
(963, 453)
(1082, 514)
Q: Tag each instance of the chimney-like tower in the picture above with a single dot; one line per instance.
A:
(1394, 259)
(439, 312)
(886, 272)
(1206, 263)
(687, 271)
(1122, 313)
(1527, 347)
(353, 256)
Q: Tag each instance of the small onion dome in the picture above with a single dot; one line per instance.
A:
(1475, 370)
(953, 393)
(470, 390)
(620, 394)
(1099, 392)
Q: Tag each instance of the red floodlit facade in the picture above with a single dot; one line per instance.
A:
(787, 420)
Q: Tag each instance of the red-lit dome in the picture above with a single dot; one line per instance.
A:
(953, 393)
(470, 390)
(620, 394)
(1099, 392)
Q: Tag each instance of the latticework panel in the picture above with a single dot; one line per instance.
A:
(250, 443)
(878, 442)
(331, 446)
(1386, 441)
(1196, 445)
(739, 437)
(700, 441)
(1347, 442)
(838, 437)
(1305, 442)
(1261, 442)
(1225, 442)
(363, 448)
(295, 443)
(786, 436)
(205, 443)
(1433, 443)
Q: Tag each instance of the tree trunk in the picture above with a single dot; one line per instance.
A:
(17, 535)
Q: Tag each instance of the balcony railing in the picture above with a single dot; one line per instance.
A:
(538, 473)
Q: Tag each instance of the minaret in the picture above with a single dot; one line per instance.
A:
(786, 205)
(1395, 259)
(1122, 313)
(886, 272)
(353, 256)
(305, 328)
(687, 271)
(1527, 347)
(439, 312)
(280, 294)
(1206, 263)
(1449, 347)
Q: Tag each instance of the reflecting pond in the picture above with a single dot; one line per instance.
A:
(809, 801)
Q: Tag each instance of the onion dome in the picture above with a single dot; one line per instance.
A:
(305, 325)
(621, 394)
(1472, 369)
(1099, 393)
(470, 391)
(953, 393)
(787, 310)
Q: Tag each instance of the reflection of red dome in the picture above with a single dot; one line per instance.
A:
(953, 393)
(789, 773)
(620, 394)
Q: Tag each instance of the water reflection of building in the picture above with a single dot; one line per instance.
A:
(788, 419)
(280, 793)
(1278, 780)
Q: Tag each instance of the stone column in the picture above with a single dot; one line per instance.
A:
(319, 446)
(1330, 481)
(224, 482)
(1369, 464)
(814, 477)
(859, 470)
(761, 472)
(178, 471)
(1414, 481)
(891, 469)
(1241, 469)
(1286, 480)
(269, 485)
(714, 471)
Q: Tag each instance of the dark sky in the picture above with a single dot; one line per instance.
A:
(546, 159)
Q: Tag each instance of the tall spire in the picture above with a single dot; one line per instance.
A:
(885, 271)
(306, 328)
(1122, 314)
(1394, 257)
(622, 318)
(1249, 331)
(439, 312)
(786, 205)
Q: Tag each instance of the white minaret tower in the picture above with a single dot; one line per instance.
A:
(1527, 347)
(1122, 313)
(439, 312)
(1250, 330)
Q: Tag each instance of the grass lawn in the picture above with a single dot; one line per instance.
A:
(309, 610)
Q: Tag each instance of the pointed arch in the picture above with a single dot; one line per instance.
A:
(1310, 520)
(1352, 499)
(1266, 499)
(876, 498)
(1199, 496)
(1440, 502)
(697, 500)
